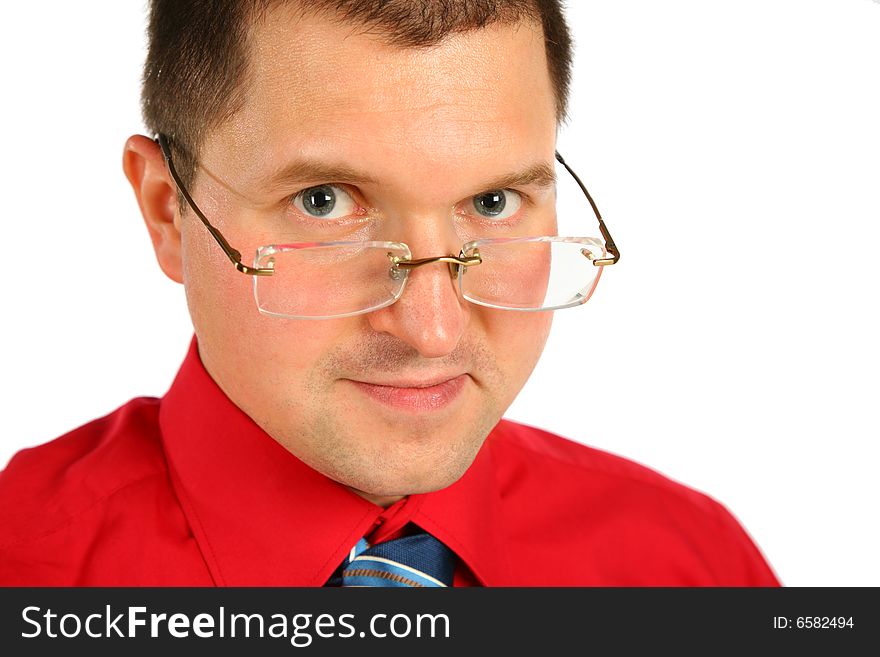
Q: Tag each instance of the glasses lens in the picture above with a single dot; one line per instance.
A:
(536, 273)
(333, 280)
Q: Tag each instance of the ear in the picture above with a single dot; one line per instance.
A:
(156, 195)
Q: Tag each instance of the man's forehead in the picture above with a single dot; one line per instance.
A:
(320, 90)
(315, 53)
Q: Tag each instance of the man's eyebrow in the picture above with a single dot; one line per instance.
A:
(541, 175)
(316, 171)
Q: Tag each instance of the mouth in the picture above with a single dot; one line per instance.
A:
(417, 396)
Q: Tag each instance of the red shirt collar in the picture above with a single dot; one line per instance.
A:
(262, 517)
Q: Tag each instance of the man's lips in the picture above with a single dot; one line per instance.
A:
(415, 395)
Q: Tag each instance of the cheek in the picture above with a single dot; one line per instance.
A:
(217, 295)
(517, 340)
(236, 342)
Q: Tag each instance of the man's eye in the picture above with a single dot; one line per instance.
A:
(498, 203)
(325, 202)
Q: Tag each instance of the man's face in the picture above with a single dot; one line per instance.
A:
(355, 397)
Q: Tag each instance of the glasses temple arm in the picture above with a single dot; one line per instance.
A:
(233, 254)
(610, 246)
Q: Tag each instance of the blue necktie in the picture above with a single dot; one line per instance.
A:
(414, 561)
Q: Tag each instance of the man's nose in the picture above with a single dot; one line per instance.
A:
(430, 316)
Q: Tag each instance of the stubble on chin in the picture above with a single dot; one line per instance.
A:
(371, 454)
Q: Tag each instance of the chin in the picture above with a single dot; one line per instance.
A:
(378, 459)
(415, 486)
(411, 469)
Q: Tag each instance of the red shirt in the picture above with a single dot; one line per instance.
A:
(188, 490)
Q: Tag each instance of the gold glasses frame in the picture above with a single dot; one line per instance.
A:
(455, 262)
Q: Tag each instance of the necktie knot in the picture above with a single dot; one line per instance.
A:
(414, 561)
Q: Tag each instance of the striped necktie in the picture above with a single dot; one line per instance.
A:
(414, 561)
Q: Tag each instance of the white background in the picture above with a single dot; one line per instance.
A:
(734, 149)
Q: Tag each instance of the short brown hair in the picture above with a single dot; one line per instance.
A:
(197, 52)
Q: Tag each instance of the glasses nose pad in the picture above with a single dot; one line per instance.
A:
(395, 273)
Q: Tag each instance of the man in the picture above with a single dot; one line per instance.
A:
(336, 422)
